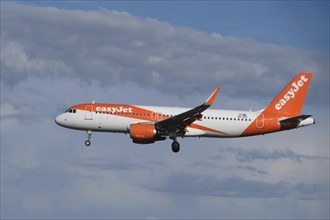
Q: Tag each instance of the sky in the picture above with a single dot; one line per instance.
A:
(55, 54)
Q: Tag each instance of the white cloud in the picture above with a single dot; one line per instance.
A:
(17, 65)
(116, 47)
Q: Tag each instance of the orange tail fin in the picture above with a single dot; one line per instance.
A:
(291, 99)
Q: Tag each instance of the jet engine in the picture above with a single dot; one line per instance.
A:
(143, 133)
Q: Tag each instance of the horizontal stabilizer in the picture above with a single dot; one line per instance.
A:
(294, 122)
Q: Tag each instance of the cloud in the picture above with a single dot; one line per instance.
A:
(113, 47)
(43, 177)
(104, 164)
(252, 169)
(17, 65)
(243, 155)
(208, 185)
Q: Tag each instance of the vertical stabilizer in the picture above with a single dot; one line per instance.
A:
(291, 99)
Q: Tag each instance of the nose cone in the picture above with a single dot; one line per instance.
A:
(60, 120)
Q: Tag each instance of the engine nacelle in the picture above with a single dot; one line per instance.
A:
(143, 133)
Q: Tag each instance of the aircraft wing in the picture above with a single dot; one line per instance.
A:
(178, 123)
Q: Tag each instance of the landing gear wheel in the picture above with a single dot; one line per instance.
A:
(89, 137)
(175, 147)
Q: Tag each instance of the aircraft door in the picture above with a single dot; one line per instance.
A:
(260, 122)
(88, 112)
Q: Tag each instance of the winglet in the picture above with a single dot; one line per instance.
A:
(211, 99)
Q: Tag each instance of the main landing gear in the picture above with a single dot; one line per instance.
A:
(175, 145)
(89, 137)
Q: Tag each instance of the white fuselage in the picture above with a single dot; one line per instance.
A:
(214, 123)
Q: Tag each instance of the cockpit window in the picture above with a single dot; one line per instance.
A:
(70, 110)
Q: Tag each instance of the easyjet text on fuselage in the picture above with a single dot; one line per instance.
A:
(118, 109)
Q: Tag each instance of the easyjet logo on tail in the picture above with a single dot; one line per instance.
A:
(291, 94)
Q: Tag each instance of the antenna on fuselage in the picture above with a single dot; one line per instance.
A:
(93, 101)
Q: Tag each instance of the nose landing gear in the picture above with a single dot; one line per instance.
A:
(89, 137)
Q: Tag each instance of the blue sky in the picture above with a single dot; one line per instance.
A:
(167, 54)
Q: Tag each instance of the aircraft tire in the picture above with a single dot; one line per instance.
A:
(175, 146)
(87, 143)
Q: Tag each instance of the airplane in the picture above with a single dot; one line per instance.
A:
(148, 124)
